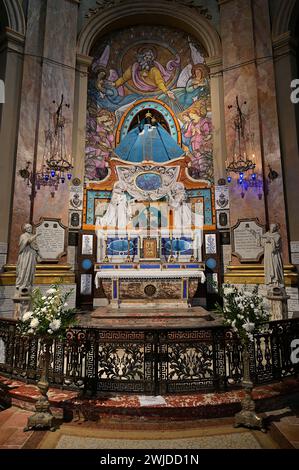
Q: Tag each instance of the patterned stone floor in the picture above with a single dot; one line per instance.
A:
(114, 434)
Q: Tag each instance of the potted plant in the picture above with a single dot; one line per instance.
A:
(244, 312)
(48, 319)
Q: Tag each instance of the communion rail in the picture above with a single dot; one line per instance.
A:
(153, 361)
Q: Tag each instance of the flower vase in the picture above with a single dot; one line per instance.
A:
(43, 418)
(247, 416)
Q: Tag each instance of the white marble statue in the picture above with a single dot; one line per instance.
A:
(28, 255)
(182, 219)
(273, 265)
(119, 211)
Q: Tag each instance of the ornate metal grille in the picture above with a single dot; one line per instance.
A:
(152, 361)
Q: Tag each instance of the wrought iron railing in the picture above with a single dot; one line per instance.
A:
(150, 361)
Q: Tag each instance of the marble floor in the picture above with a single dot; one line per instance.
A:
(123, 434)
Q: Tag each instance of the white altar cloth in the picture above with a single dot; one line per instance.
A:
(149, 274)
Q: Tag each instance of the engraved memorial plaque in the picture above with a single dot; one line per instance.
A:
(52, 239)
(244, 243)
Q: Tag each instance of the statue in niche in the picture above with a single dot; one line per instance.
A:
(27, 259)
(119, 211)
(273, 265)
(181, 208)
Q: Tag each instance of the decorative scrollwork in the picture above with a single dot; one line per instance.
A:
(105, 4)
(121, 363)
(151, 361)
(190, 362)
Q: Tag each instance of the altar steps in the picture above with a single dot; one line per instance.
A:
(105, 317)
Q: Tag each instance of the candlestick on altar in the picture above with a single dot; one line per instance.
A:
(171, 258)
(128, 259)
(192, 258)
(106, 259)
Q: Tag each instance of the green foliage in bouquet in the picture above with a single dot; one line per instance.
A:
(243, 311)
(49, 314)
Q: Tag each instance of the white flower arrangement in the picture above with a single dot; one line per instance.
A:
(49, 315)
(243, 311)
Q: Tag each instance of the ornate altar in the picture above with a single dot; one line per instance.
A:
(149, 198)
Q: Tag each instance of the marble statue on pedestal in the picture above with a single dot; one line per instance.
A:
(27, 259)
(25, 271)
(273, 267)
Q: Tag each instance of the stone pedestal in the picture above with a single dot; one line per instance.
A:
(278, 300)
(21, 305)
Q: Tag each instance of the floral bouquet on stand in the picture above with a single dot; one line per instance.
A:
(244, 312)
(48, 318)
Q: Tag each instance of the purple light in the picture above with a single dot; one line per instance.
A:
(229, 178)
(69, 176)
(52, 173)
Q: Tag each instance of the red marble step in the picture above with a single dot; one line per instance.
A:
(200, 405)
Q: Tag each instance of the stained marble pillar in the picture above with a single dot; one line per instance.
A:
(11, 65)
(285, 71)
(49, 72)
(79, 122)
(248, 73)
(217, 104)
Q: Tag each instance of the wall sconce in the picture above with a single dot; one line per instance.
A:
(272, 175)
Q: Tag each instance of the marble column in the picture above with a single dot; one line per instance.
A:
(80, 107)
(248, 73)
(49, 72)
(217, 104)
(285, 71)
(11, 65)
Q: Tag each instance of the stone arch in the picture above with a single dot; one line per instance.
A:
(285, 17)
(14, 15)
(136, 12)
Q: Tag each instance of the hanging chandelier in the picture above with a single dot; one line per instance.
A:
(240, 168)
(56, 165)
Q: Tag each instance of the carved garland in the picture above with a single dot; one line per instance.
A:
(105, 4)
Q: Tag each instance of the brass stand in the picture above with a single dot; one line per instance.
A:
(106, 259)
(43, 418)
(128, 259)
(247, 416)
(171, 257)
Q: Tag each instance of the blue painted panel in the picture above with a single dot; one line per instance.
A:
(150, 266)
(182, 246)
(86, 264)
(148, 181)
(116, 246)
(115, 290)
(184, 289)
(211, 263)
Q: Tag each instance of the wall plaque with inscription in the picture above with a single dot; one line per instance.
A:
(244, 242)
(52, 239)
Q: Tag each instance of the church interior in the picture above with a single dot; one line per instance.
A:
(149, 238)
